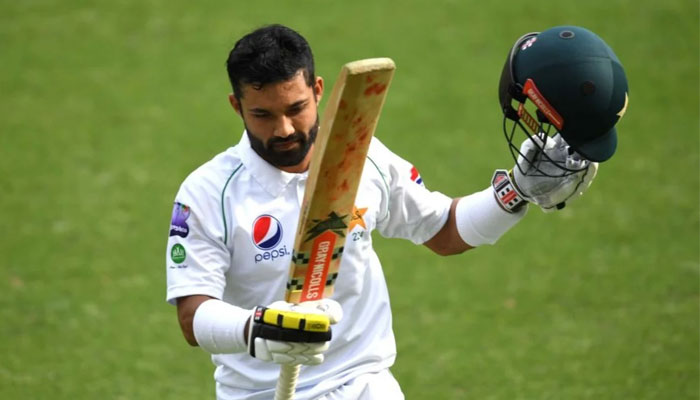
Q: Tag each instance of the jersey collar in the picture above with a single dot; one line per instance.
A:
(271, 178)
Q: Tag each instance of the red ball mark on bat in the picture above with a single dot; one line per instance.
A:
(342, 110)
(346, 165)
(357, 121)
(344, 186)
(341, 164)
(348, 114)
(363, 134)
(369, 79)
(375, 89)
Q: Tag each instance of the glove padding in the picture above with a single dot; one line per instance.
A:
(541, 179)
(286, 333)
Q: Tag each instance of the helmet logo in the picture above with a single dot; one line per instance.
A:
(534, 94)
(528, 43)
(624, 108)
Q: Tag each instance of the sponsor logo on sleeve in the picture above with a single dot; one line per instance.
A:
(415, 176)
(178, 224)
(178, 253)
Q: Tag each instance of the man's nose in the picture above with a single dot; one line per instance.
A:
(284, 127)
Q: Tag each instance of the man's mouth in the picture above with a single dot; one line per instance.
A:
(284, 146)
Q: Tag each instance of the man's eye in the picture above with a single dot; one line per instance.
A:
(296, 109)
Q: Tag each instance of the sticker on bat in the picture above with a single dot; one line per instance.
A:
(334, 223)
(321, 256)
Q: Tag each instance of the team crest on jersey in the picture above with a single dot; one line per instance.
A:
(178, 224)
(357, 218)
(415, 176)
(267, 232)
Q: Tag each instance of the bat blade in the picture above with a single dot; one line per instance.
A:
(346, 130)
(340, 150)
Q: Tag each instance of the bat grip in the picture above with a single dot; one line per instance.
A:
(287, 382)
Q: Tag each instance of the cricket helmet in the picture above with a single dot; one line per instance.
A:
(574, 83)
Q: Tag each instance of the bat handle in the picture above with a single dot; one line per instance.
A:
(287, 382)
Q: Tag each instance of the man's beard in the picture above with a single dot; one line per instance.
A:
(284, 158)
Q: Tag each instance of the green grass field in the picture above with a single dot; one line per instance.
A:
(105, 107)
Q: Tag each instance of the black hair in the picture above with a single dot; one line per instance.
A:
(270, 54)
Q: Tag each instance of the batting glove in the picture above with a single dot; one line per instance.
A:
(286, 333)
(543, 181)
(548, 173)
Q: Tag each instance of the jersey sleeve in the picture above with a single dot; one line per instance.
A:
(413, 212)
(197, 258)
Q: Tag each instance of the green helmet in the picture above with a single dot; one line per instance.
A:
(576, 84)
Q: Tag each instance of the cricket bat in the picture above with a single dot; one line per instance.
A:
(340, 151)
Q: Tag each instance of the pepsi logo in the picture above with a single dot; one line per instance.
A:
(267, 232)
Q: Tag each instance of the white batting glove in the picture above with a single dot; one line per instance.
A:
(541, 180)
(286, 333)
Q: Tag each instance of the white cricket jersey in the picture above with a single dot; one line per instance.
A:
(232, 235)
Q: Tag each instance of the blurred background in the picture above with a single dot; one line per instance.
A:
(105, 107)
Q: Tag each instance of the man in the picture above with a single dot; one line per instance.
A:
(234, 217)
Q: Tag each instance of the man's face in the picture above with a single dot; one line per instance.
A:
(281, 120)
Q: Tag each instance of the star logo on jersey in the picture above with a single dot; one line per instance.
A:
(357, 218)
(415, 176)
(178, 224)
(334, 223)
(267, 232)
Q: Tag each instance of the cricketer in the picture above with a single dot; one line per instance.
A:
(234, 219)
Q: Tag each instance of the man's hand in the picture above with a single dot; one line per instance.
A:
(287, 333)
(553, 177)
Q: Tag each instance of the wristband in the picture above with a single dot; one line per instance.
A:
(505, 191)
(481, 220)
(218, 327)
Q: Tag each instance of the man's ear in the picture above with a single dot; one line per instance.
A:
(235, 103)
(318, 89)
